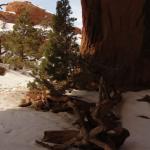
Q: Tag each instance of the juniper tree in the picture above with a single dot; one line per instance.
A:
(61, 49)
(24, 39)
(62, 43)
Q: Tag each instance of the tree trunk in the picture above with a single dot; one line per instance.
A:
(116, 35)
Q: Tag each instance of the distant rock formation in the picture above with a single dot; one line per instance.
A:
(14, 9)
(38, 15)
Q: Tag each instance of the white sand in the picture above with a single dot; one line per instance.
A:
(20, 127)
(138, 127)
(13, 81)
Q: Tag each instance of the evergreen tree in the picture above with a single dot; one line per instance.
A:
(24, 39)
(62, 43)
(61, 49)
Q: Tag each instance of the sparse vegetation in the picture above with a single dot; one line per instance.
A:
(23, 42)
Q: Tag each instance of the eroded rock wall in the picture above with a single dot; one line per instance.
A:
(116, 34)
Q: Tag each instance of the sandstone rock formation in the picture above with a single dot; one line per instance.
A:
(38, 15)
(116, 35)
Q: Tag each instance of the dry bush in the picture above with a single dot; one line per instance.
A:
(2, 71)
(35, 98)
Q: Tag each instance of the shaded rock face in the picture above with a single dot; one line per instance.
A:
(117, 34)
(37, 14)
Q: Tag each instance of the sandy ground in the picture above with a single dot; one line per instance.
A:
(20, 127)
(138, 127)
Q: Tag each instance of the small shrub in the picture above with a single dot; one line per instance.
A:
(37, 99)
(15, 63)
(28, 64)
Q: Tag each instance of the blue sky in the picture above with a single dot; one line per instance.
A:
(50, 5)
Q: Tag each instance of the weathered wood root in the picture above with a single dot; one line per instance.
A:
(67, 139)
(143, 116)
(59, 137)
(25, 104)
(146, 98)
(43, 144)
(100, 128)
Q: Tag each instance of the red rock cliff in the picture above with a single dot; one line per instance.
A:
(37, 14)
(117, 34)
